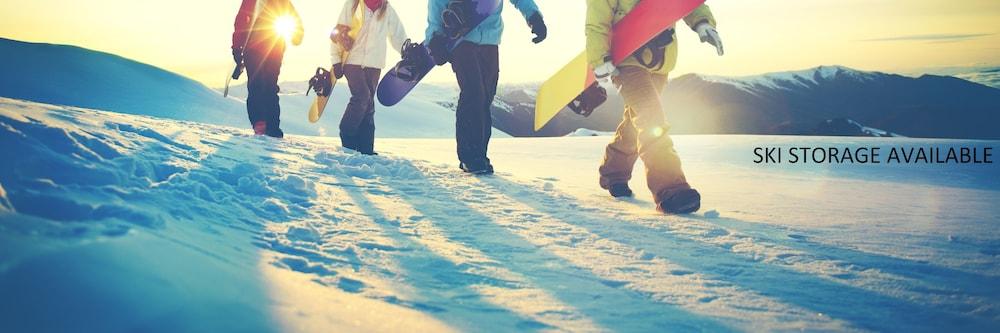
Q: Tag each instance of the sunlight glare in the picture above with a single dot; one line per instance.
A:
(285, 27)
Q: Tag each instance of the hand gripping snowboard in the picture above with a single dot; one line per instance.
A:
(324, 81)
(417, 60)
(647, 20)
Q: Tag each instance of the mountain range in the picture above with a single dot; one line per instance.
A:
(826, 100)
(802, 102)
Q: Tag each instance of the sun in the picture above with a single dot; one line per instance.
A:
(284, 26)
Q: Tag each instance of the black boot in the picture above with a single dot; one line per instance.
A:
(683, 202)
(620, 190)
(476, 167)
(275, 133)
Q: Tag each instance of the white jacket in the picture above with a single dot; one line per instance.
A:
(369, 47)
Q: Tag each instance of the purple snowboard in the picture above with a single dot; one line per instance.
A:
(392, 88)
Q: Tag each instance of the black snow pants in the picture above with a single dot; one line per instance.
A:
(263, 67)
(477, 68)
(357, 127)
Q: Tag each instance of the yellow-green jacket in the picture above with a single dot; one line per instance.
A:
(603, 14)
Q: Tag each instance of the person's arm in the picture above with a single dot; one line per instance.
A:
(243, 24)
(526, 7)
(703, 22)
(434, 23)
(702, 14)
(299, 31)
(600, 15)
(343, 24)
(397, 34)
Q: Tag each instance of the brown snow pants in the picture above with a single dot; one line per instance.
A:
(642, 134)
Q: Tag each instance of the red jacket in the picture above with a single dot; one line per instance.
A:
(257, 23)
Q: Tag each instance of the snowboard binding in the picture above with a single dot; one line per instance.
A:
(589, 100)
(457, 17)
(320, 83)
(414, 55)
(657, 48)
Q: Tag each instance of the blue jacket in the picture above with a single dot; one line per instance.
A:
(488, 32)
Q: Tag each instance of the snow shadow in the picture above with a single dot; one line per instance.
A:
(935, 274)
(605, 302)
(441, 288)
(864, 308)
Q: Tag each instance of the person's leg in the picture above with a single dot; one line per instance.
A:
(468, 114)
(366, 133)
(490, 66)
(641, 91)
(257, 89)
(620, 155)
(273, 107)
(357, 107)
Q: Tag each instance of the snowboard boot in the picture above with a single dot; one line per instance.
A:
(276, 133)
(620, 190)
(476, 168)
(685, 201)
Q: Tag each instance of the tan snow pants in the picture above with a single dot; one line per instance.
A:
(642, 134)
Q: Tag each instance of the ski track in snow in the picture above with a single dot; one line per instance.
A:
(408, 245)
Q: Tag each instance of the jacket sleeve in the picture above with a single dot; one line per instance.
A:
(337, 51)
(526, 7)
(600, 16)
(299, 31)
(700, 14)
(243, 23)
(397, 34)
(434, 24)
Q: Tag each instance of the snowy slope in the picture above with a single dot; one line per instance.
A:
(74, 76)
(113, 222)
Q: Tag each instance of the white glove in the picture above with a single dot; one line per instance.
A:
(605, 71)
(709, 35)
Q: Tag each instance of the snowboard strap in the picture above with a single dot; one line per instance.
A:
(320, 83)
(589, 100)
(413, 56)
(456, 17)
(657, 48)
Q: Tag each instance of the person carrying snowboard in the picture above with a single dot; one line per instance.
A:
(363, 65)
(262, 28)
(642, 133)
(475, 62)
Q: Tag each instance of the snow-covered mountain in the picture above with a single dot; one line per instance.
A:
(112, 222)
(796, 103)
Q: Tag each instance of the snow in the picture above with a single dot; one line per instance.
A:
(113, 222)
(589, 132)
(788, 80)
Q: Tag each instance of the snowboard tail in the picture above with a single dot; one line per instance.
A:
(402, 78)
(647, 20)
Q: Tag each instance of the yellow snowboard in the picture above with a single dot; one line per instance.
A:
(555, 94)
(319, 104)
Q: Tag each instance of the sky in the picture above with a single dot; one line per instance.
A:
(192, 37)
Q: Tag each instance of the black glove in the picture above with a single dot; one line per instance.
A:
(238, 55)
(538, 27)
(438, 48)
(338, 70)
